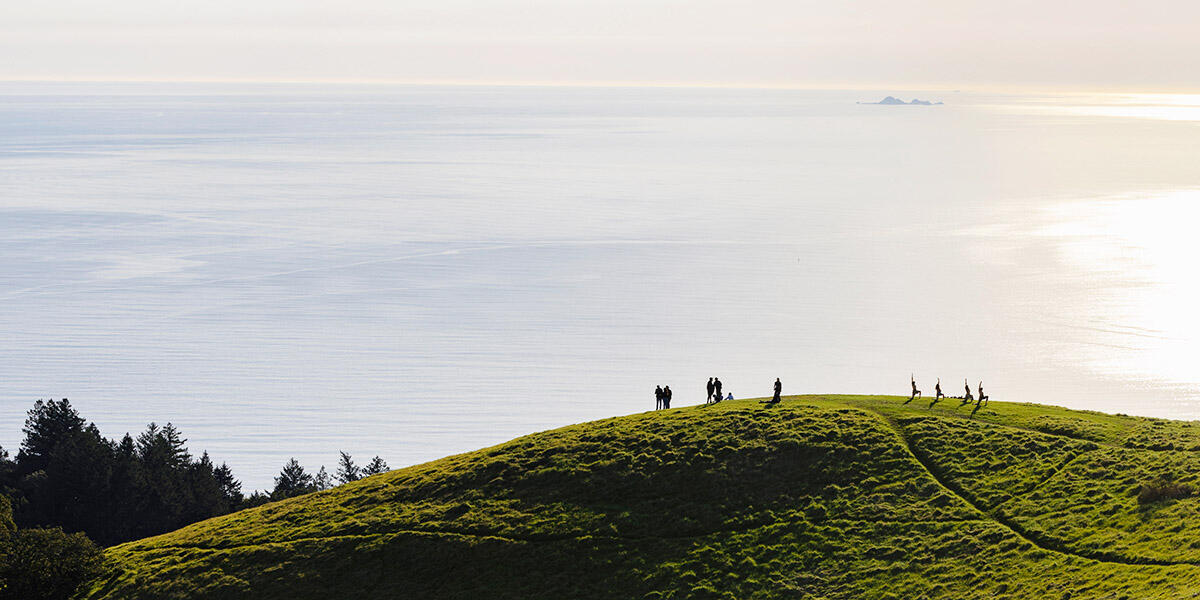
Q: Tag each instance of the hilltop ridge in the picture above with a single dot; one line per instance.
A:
(819, 497)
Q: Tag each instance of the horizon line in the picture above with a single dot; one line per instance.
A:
(846, 86)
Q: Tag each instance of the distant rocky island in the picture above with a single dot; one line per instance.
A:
(892, 100)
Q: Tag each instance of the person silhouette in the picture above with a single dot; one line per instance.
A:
(982, 397)
(966, 398)
(658, 398)
(778, 390)
(915, 392)
(711, 387)
(937, 390)
(717, 388)
(667, 397)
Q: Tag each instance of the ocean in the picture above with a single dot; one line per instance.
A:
(290, 270)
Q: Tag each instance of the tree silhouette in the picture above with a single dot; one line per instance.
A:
(45, 425)
(347, 471)
(293, 480)
(375, 467)
(231, 488)
(322, 481)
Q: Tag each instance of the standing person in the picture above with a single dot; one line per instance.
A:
(667, 397)
(778, 391)
(658, 398)
(982, 397)
(937, 389)
(710, 391)
(717, 388)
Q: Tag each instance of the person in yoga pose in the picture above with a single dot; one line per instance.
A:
(915, 392)
(978, 403)
(982, 396)
(937, 393)
(968, 397)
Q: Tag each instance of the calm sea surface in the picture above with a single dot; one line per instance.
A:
(415, 271)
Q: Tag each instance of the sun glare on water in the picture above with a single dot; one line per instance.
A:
(1165, 107)
(1139, 256)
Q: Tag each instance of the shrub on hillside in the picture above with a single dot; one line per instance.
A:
(47, 564)
(1162, 488)
(43, 564)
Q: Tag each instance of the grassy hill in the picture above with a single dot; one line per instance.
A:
(819, 497)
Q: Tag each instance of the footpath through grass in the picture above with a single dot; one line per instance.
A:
(819, 497)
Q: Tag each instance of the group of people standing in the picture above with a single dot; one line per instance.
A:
(662, 397)
(966, 397)
(662, 394)
(714, 391)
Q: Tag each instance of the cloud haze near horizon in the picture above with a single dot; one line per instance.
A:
(1065, 44)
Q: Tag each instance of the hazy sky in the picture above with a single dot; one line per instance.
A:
(913, 43)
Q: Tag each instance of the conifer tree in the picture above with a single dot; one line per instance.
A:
(322, 481)
(347, 471)
(293, 480)
(46, 424)
(375, 467)
(231, 488)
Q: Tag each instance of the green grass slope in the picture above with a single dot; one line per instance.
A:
(817, 498)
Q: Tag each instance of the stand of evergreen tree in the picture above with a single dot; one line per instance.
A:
(294, 480)
(67, 475)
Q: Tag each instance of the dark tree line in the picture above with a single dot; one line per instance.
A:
(294, 480)
(68, 475)
(68, 483)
